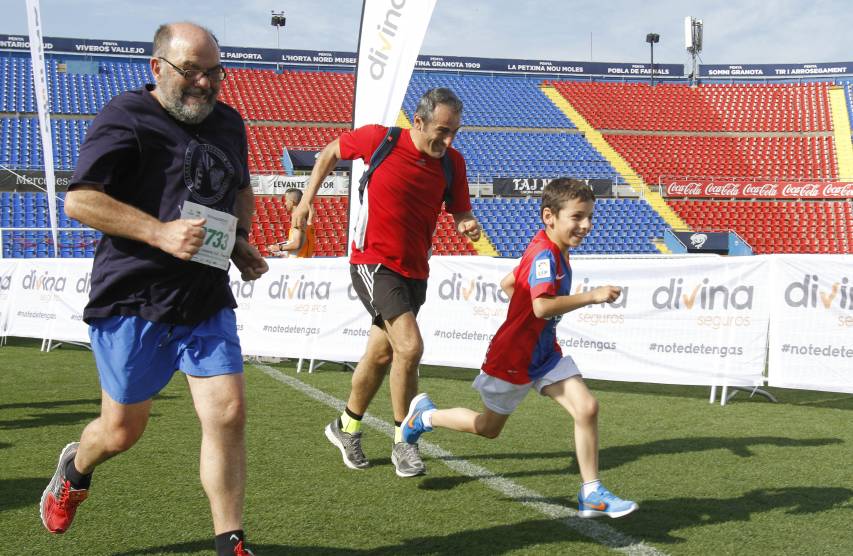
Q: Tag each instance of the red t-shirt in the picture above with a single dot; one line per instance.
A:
(405, 197)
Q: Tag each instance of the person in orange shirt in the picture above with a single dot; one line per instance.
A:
(300, 243)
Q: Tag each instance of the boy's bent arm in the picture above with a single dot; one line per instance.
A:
(545, 307)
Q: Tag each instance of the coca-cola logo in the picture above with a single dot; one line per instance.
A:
(684, 189)
(760, 190)
(724, 189)
(839, 190)
(801, 190)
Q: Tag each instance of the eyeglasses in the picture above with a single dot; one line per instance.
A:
(215, 75)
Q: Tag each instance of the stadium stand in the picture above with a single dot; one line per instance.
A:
(657, 157)
(492, 101)
(777, 226)
(620, 226)
(493, 154)
(292, 96)
(742, 130)
(745, 107)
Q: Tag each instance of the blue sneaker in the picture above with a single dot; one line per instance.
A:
(604, 502)
(413, 426)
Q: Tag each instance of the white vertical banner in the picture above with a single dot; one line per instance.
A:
(811, 332)
(390, 38)
(40, 84)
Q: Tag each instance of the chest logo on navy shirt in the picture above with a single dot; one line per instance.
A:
(208, 173)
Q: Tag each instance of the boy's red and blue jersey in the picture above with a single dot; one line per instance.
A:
(525, 347)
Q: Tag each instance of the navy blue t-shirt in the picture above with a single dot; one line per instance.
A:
(145, 158)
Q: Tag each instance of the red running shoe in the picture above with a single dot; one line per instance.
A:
(59, 501)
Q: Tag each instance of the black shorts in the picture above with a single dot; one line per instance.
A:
(386, 294)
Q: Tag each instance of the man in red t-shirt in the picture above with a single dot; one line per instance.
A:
(389, 267)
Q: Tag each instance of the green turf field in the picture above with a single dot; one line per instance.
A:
(749, 478)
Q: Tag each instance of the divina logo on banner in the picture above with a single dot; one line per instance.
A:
(387, 32)
(241, 289)
(44, 282)
(808, 294)
(676, 295)
(457, 288)
(300, 289)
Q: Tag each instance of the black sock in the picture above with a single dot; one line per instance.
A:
(398, 423)
(78, 480)
(352, 415)
(226, 542)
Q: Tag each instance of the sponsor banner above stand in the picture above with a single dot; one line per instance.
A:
(31, 180)
(775, 71)
(379, 54)
(553, 67)
(510, 187)
(759, 189)
(445, 63)
(278, 185)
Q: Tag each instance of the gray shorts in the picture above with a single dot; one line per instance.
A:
(503, 397)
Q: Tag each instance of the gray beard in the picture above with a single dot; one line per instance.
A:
(188, 115)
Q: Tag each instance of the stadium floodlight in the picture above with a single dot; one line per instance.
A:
(278, 21)
(653, 38)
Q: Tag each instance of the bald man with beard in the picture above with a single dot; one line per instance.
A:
(164, 175)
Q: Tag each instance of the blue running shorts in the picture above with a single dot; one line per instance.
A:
(136, 358)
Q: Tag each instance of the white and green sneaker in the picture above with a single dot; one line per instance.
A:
(348, 444)
(407, 460)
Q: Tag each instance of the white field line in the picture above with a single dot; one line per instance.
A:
(597, 531)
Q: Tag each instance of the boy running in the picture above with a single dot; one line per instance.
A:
(524, 352)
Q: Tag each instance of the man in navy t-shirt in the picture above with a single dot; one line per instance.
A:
(163, 173)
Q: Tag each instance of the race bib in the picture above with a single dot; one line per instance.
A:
(219, 234)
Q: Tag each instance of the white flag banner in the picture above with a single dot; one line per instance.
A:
(811, 332)
(390, 38)
(40, 84)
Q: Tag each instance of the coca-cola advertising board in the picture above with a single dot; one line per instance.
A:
(759, 189)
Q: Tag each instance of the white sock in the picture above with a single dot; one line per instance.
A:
(590, 487)
(426, 417)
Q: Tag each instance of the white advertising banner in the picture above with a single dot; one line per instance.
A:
(8, 268)
(389, 41)
(301, 308)
(691, 320)
(465, 306)
(811, 330)
(278, 185)
(46, 299)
